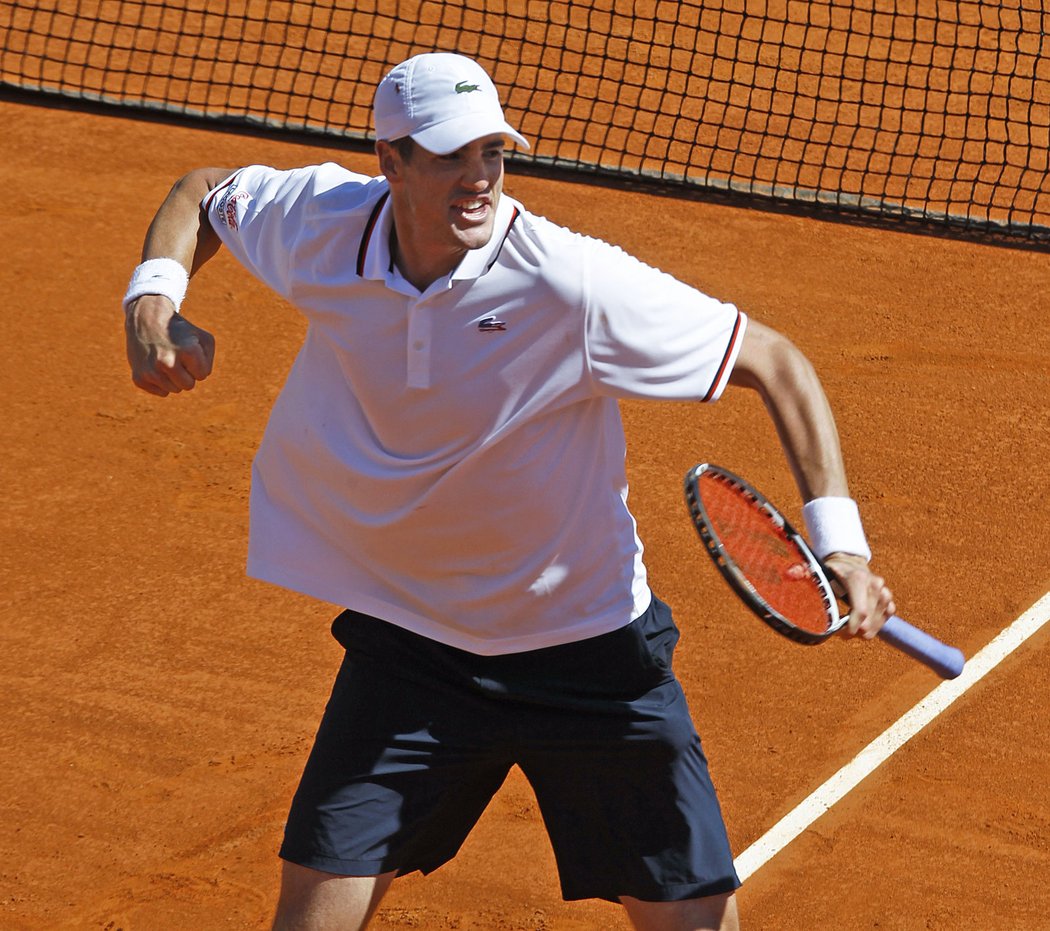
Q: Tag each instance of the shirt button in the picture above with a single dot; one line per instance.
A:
(418, 345)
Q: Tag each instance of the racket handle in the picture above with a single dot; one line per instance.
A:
(946, 661)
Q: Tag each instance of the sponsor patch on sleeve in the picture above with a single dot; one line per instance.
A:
(232, 204)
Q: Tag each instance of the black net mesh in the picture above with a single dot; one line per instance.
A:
(933, 110)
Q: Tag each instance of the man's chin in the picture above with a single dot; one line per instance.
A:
(476, 237)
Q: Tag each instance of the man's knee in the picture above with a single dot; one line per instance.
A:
(312, 900)
(711, 913)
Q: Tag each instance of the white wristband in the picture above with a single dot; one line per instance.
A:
(833, 526)
(158, 276)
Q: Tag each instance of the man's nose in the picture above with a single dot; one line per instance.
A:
(475, 175)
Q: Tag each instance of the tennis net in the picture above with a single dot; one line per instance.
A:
(936, 111)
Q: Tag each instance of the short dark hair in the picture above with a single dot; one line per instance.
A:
(405, 147)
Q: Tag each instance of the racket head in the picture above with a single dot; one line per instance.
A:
(762, 557)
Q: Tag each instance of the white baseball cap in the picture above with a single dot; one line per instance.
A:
(443, 101)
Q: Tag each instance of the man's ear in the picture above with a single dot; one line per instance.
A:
(389, 160)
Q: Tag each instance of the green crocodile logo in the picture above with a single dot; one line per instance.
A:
(464, 88)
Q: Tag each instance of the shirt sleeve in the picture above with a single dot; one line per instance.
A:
(649, 335)
(257, 212)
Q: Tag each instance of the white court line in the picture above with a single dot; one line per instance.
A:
(802, 816)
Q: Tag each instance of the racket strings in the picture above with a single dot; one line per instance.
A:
(765, 554)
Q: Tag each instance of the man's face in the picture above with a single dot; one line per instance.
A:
(445, 204)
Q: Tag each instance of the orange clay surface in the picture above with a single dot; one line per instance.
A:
(158, 705)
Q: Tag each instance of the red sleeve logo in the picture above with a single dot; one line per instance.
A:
(226, 208)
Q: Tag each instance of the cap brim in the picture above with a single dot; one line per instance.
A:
(448, 136)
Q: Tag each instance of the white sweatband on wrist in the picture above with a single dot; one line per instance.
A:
(159, 276)
(833, 526)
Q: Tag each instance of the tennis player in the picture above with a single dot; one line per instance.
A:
(446, 460)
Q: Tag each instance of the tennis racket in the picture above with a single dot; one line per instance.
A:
(775, 573)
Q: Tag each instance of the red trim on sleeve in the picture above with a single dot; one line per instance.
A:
(725, 359)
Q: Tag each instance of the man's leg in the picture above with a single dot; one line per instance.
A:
(315, 901)
(622, 781)
(713, 913)
(405, 761)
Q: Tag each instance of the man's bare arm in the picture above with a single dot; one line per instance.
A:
(791, 391)
(168, 354)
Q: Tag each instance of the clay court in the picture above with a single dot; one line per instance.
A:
(159, 705)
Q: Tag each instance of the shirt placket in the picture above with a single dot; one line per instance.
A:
(419, 345)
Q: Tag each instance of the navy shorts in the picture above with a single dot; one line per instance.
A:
(418, 736)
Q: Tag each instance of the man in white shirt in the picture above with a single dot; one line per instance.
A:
(446, 460)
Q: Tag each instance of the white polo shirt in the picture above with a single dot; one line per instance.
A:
(453, 461)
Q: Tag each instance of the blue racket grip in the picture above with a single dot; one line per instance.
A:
(944, 660)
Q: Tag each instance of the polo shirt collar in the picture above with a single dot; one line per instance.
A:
(376, 263)
(373, 258)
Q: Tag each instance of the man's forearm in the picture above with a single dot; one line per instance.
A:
(168, 354)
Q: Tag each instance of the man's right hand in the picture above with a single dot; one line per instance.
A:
(166, 352)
